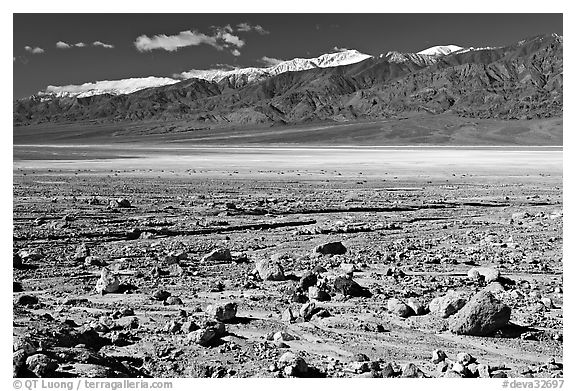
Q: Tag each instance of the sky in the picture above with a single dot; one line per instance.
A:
(63, 49)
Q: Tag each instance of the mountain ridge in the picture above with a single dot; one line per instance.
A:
(521, 80)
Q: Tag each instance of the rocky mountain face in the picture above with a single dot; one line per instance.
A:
(522, 80)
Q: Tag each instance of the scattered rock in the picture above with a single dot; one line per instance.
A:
(173, 300)
(464, 358)
(307, 280)
(283, 336)
(315, 293)
(108, 282)
(411, 370)
(222, 312)
(307, 310)
(332, 248)
(416, 305)
(82, 251)
(218, 255)
(161, 295)
(16, 261)
(349, 287)
(288, 315)
(27, 300)
(438, 356)
(292, 365)
(399, 308)
(488, 274)
(446, 305)
(481, 316)
(270, 270)
(41, 365)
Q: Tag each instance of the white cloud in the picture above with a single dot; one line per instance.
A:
(172, 43)
(232, 39)
(245, 27)
(221, 39)
(337, 49)
(270, 61)
(35, 50)
(62, 45)
(102, 44)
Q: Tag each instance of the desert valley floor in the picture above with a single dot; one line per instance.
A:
(184, 227)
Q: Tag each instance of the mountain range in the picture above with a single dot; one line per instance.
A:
(522, 80)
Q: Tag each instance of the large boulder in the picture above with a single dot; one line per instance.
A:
(270, 270)
(332, 248)
(481, 316)
(447, 305)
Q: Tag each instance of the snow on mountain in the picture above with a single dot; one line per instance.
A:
(237, 77)
(249, 75)
(112, 87)
(420, 59)
(440, 50)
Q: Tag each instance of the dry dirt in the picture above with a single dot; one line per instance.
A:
(432, 214)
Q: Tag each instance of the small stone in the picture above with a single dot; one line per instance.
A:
(218, 255)
(92, 260)
(332, 248)
(387, 371)
(464, 358)
(307, 309)
(411, 370)
(438, 356)
(108, 282)
(160, 295)
(360, 357)
(416, 305)
(16, 261)
(288, 315)
(173, 300)
(41, 365)
(82, 252)
(222, 312)
(292, 365)
(122, 203)
(483, 370)
(27, 300)
(349, 287)
(452, 374)
(488, 274)
(442, 366)
(547, 302)
(315, 293)
(202, 336)
(307, 280)
(283, 336)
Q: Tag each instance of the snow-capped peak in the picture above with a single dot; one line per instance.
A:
(248, 75)
(112, 87)
(440, 50)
